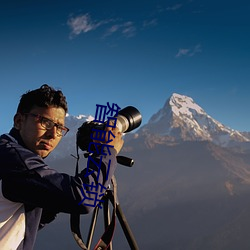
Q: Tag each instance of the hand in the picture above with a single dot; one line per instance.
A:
(117, 140)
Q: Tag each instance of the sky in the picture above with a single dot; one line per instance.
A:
(129, 52)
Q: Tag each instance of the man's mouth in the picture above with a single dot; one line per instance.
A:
(46, 145)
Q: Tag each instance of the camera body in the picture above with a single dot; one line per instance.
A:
(127, 120)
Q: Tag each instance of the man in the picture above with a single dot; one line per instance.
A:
(28, 187)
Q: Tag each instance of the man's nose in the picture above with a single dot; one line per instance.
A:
(52, 132)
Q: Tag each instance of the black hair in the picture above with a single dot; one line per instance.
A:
(45, 96)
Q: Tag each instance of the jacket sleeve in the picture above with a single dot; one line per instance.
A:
(27, 179)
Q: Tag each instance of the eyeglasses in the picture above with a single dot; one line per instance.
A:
(49, 124)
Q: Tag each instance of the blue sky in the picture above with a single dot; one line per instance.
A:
(128, 52)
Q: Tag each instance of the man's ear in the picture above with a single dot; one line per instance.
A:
(18, 119)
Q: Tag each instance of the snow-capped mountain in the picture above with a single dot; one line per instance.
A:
(182, 119)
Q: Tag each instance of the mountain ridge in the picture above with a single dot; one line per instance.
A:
(182, 119)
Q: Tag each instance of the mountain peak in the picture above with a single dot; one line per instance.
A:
(182, 119)
(182, 104)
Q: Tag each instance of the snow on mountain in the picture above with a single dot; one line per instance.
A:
(74, 122)
(182, 119)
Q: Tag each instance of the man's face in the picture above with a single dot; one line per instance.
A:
(35, 137)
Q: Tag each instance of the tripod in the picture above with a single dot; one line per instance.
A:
(106, 240)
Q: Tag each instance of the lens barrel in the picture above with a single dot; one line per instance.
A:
(128, 119)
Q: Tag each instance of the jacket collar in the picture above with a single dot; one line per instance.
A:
(16, 135)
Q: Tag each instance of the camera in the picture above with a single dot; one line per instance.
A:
(127, 120)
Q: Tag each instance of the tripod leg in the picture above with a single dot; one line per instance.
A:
(123, 222)
(92, 227)
(126, 229)
(106, 215)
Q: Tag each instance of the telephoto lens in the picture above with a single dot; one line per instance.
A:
(128, 119)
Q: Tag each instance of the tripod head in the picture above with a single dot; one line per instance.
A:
(122, 160)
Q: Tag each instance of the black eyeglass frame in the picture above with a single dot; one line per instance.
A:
(60, 129)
